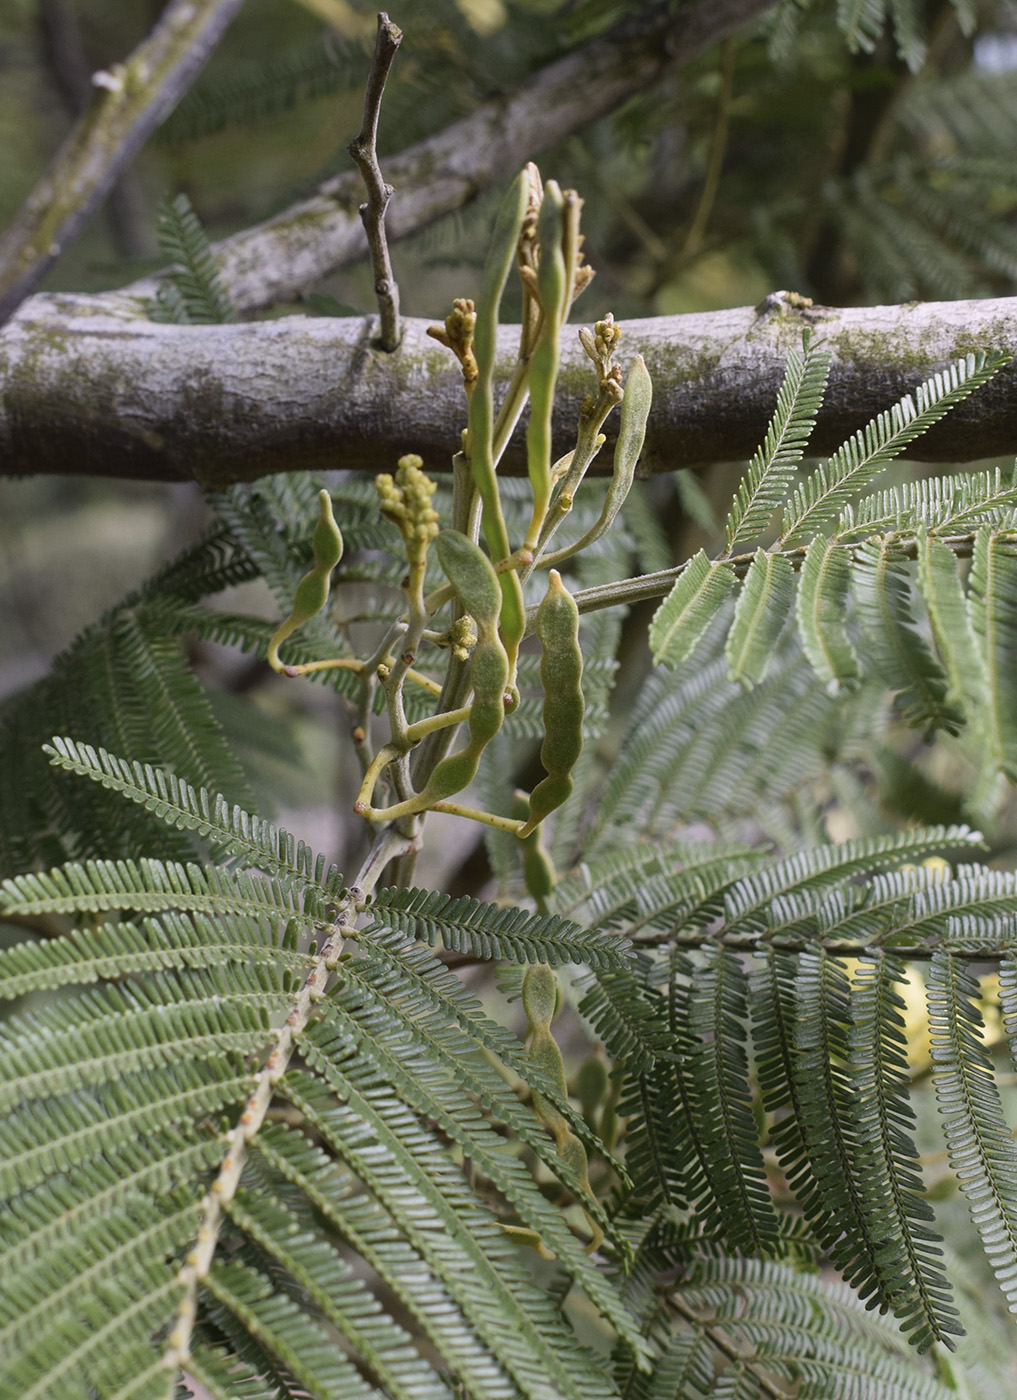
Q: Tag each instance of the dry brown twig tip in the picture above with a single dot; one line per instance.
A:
(363, 149)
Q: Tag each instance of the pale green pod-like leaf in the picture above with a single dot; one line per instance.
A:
(500, 260)
(689, 608)
(765, 485)
(760, 614)
(943, 595)
(554, 300)
(821, 606)
(992, 606)
(899, 652)
(635, 410)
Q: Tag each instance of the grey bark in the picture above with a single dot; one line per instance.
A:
(89, 387)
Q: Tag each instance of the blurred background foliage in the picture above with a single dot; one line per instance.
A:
(856, 152)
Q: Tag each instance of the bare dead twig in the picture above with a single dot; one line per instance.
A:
(363, 149)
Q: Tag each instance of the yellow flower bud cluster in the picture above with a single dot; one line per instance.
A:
(406, 501)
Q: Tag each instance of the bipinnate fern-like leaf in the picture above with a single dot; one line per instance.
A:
(828, 1044)
(761, 611)
(898, 650)
(789, 1334)
(821, 611)
(690, 607)
(118, 1100)
(912, 1277)
(739, 1207)
(765, 485)
(830, 552)
(193, 293)
(980, 1143)
(992, 605)
(816, 504)
(467, 925)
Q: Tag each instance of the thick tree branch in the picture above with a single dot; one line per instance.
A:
(281, 259)
(130, 100)
(89, 387)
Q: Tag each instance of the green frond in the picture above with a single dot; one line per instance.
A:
(435, 1069)
(234, 834)
(814, 1334)
(124, 686)
(764, 603)
(941, 505)
(821, 612)
(305, 1350)
(765, 485)
(698, 745)
(943, 594)
(738, 1207)
(912, 1279)
(98, 886)
(468, 925)
(124, 949)
(693, 603)
(103, 1344)
(380, 1140)
(340, 1299)
(992, 605)
(413, 974)
(658, 893)
(819, 868)
(833, 1193)
(861, 22)
(193, 294)
(213, 562)
(908, 26)
(364, 1223)
(648, 1036)
(624, 1017)
(816, 504)
(898, 651)
(980, 1143)
(101, 1037)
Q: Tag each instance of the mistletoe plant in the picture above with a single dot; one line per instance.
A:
(261, 1139)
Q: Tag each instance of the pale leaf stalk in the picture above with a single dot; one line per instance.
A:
(388, 845)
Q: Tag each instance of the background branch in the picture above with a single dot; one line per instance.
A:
(280, 259)
(364, 150)
(128, 104)
(90, 387)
